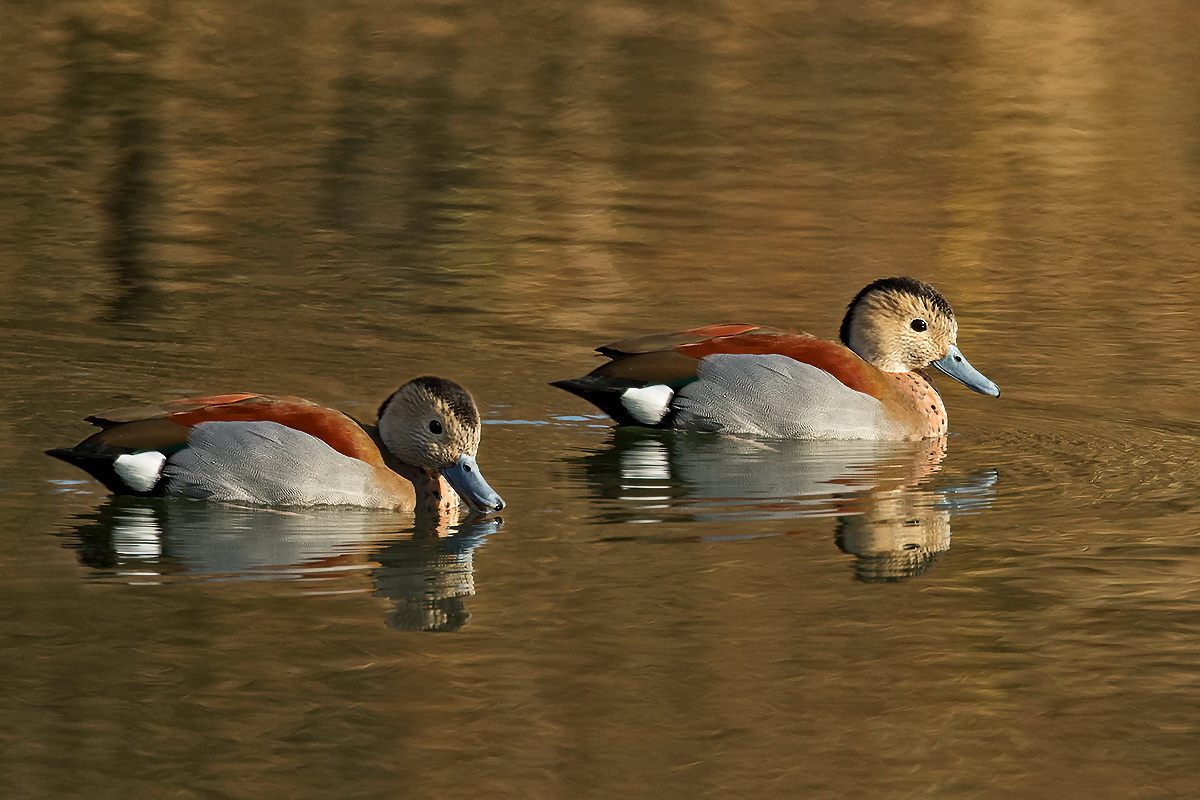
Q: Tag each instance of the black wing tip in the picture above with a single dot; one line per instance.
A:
(97, 461)
(595, 385)
(85, 451)
(62, 453)
(572, 385)
(604, 394)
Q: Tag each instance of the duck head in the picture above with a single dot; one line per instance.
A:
(905, 325)
(433, 424)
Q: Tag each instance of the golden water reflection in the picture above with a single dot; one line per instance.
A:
(891, 508)
(426, 574)
(325, 198)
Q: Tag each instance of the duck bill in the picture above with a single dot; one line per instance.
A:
(957, 367)
(466, 479)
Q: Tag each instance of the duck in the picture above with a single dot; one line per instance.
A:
(744, 379)
(280, 450)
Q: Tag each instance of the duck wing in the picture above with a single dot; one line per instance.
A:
(166, 428)
(675, 359)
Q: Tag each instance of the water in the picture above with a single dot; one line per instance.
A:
(328, 198)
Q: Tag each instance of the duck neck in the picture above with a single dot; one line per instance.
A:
(868, 344)
(435, 499)
(917, 388)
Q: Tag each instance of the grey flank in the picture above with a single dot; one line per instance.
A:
(776, 396)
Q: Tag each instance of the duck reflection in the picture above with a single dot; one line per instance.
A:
(892, 504)
(429, 578)
(898, 535)
(425, 572)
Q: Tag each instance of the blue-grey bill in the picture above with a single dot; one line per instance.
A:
(467, 480)
(957, 367)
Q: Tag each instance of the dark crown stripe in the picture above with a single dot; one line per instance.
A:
(910, 286)
(452, 394)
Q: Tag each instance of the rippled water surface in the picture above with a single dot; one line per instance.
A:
(327, 198)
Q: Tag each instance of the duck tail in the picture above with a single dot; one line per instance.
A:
(100, 461)
(605, 394)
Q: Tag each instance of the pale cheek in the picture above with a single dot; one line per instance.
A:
(916, 349)
(439, 455)
(417, 450)
(931, 351)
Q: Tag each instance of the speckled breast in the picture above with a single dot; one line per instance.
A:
(930, 413)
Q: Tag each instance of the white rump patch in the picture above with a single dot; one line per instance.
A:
(140, 471)
(649, 404)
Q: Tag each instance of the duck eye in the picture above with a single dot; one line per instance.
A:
(435, 427)
(919, 325)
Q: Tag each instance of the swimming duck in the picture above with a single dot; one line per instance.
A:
(761, 381)
(287, 451)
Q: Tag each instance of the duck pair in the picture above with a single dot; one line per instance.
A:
(733, 378)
